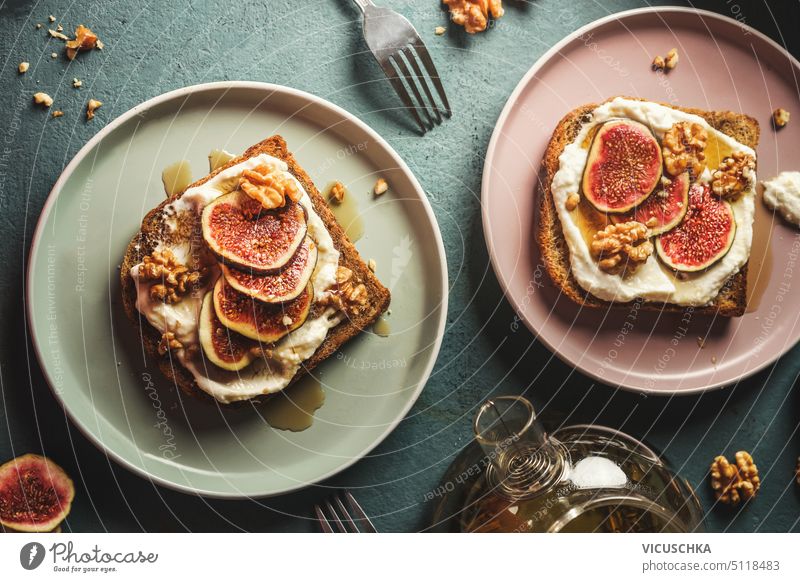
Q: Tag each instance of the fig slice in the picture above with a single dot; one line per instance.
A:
(704, 236)
(223, 347)
(283, 286)
(623, 166)
(263, 322)
(664, 209)
(35, 494)
(241, 232)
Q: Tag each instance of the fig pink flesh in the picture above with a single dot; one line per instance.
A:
(664, 209)
(35, 494)
(282, 286)
(703, 237)
(623, 166)
(225, 348)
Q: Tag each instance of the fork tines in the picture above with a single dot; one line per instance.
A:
(424, 107)
(336, 515)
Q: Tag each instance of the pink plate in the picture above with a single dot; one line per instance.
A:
(724, 65)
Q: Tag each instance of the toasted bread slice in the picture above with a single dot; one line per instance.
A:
(732, 298)
(144, 242)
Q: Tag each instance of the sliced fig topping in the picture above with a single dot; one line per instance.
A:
(279, 288)
(623, 166)
(263, 322)
(664, 209)
(241, 232)
(223, 347)
(35, 494)
(703, 237)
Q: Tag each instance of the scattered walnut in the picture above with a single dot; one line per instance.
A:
(658, 63)
(51, 18)
(381, 186)
(38, 25)
(60, 28)
(684, 147)
(473, 15)
(349, 295)
(572, 201)
(57, 34)
(42, 99)
(671, 60)
(780, 117)
(337, 192)
(733, 483)
(53, 55)
(91, 107)
(622, 247)
(372, 265)
(439, 30)
(76, 82)
(84, 40)
(168, 342)
(343, 274)
(57, 113)
(733, 175)
(23, 66)
(175, 279)
(269, 186)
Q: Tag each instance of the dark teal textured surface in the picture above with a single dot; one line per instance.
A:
(153, 47)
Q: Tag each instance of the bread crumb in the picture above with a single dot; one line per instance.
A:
(51, 18)
(76, 82)
(23, 66)
(57, 113)
(91, 107)
(372, 265)
(671, 60)
(53, 55)
(337, 192)
(38, 25)
(439, 30)
(57, 34)
(780, 117)
(381, 187)
(701, 343)
(714, 360)
(42, 99)
(60, 28)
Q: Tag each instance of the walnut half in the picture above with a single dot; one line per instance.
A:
(168, 342)
(473, 15)
(684, 147)
(269, 186)
(622, 247)
(174, 280)
(349, 295)
(733, 483)
(733, 175)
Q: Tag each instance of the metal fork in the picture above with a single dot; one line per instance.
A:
(396, 46)
(339, 516)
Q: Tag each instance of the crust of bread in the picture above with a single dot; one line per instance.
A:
(144, 242)
(732, 298)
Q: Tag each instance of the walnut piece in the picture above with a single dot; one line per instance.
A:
(671, 60)
(733, 483)
(684, 147)
(57, 34)
(780, 117)
(337, 192)
(269, 186)
(439, 30)
(57, 113)
(622, 247)
(349, 295)
(473, 15)
(42, 99)
(174, 279)
(733, 175)
(23, 66)
(658, 63)
(84, 40)
(168, 342)
(572, 201)
(91, 107)
(76, 82)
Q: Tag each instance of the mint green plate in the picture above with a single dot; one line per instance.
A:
(93, 358)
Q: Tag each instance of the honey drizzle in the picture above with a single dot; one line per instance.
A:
(294, 408)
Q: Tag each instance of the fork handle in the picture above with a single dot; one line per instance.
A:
(363, 4)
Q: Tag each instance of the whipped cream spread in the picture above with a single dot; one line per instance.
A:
(652, 281)
(782, 194)
(266, 375)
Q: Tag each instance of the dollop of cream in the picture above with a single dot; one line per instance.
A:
(782, 194)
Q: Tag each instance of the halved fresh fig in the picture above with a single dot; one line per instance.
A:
(279, 288)
(241, 232)
(263, 322)
(703, 237)
(35, 494)
(623, 167)
(223, 347)
(664, 209)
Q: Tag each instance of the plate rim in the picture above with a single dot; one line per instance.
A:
(490, 155)
(268, 88)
